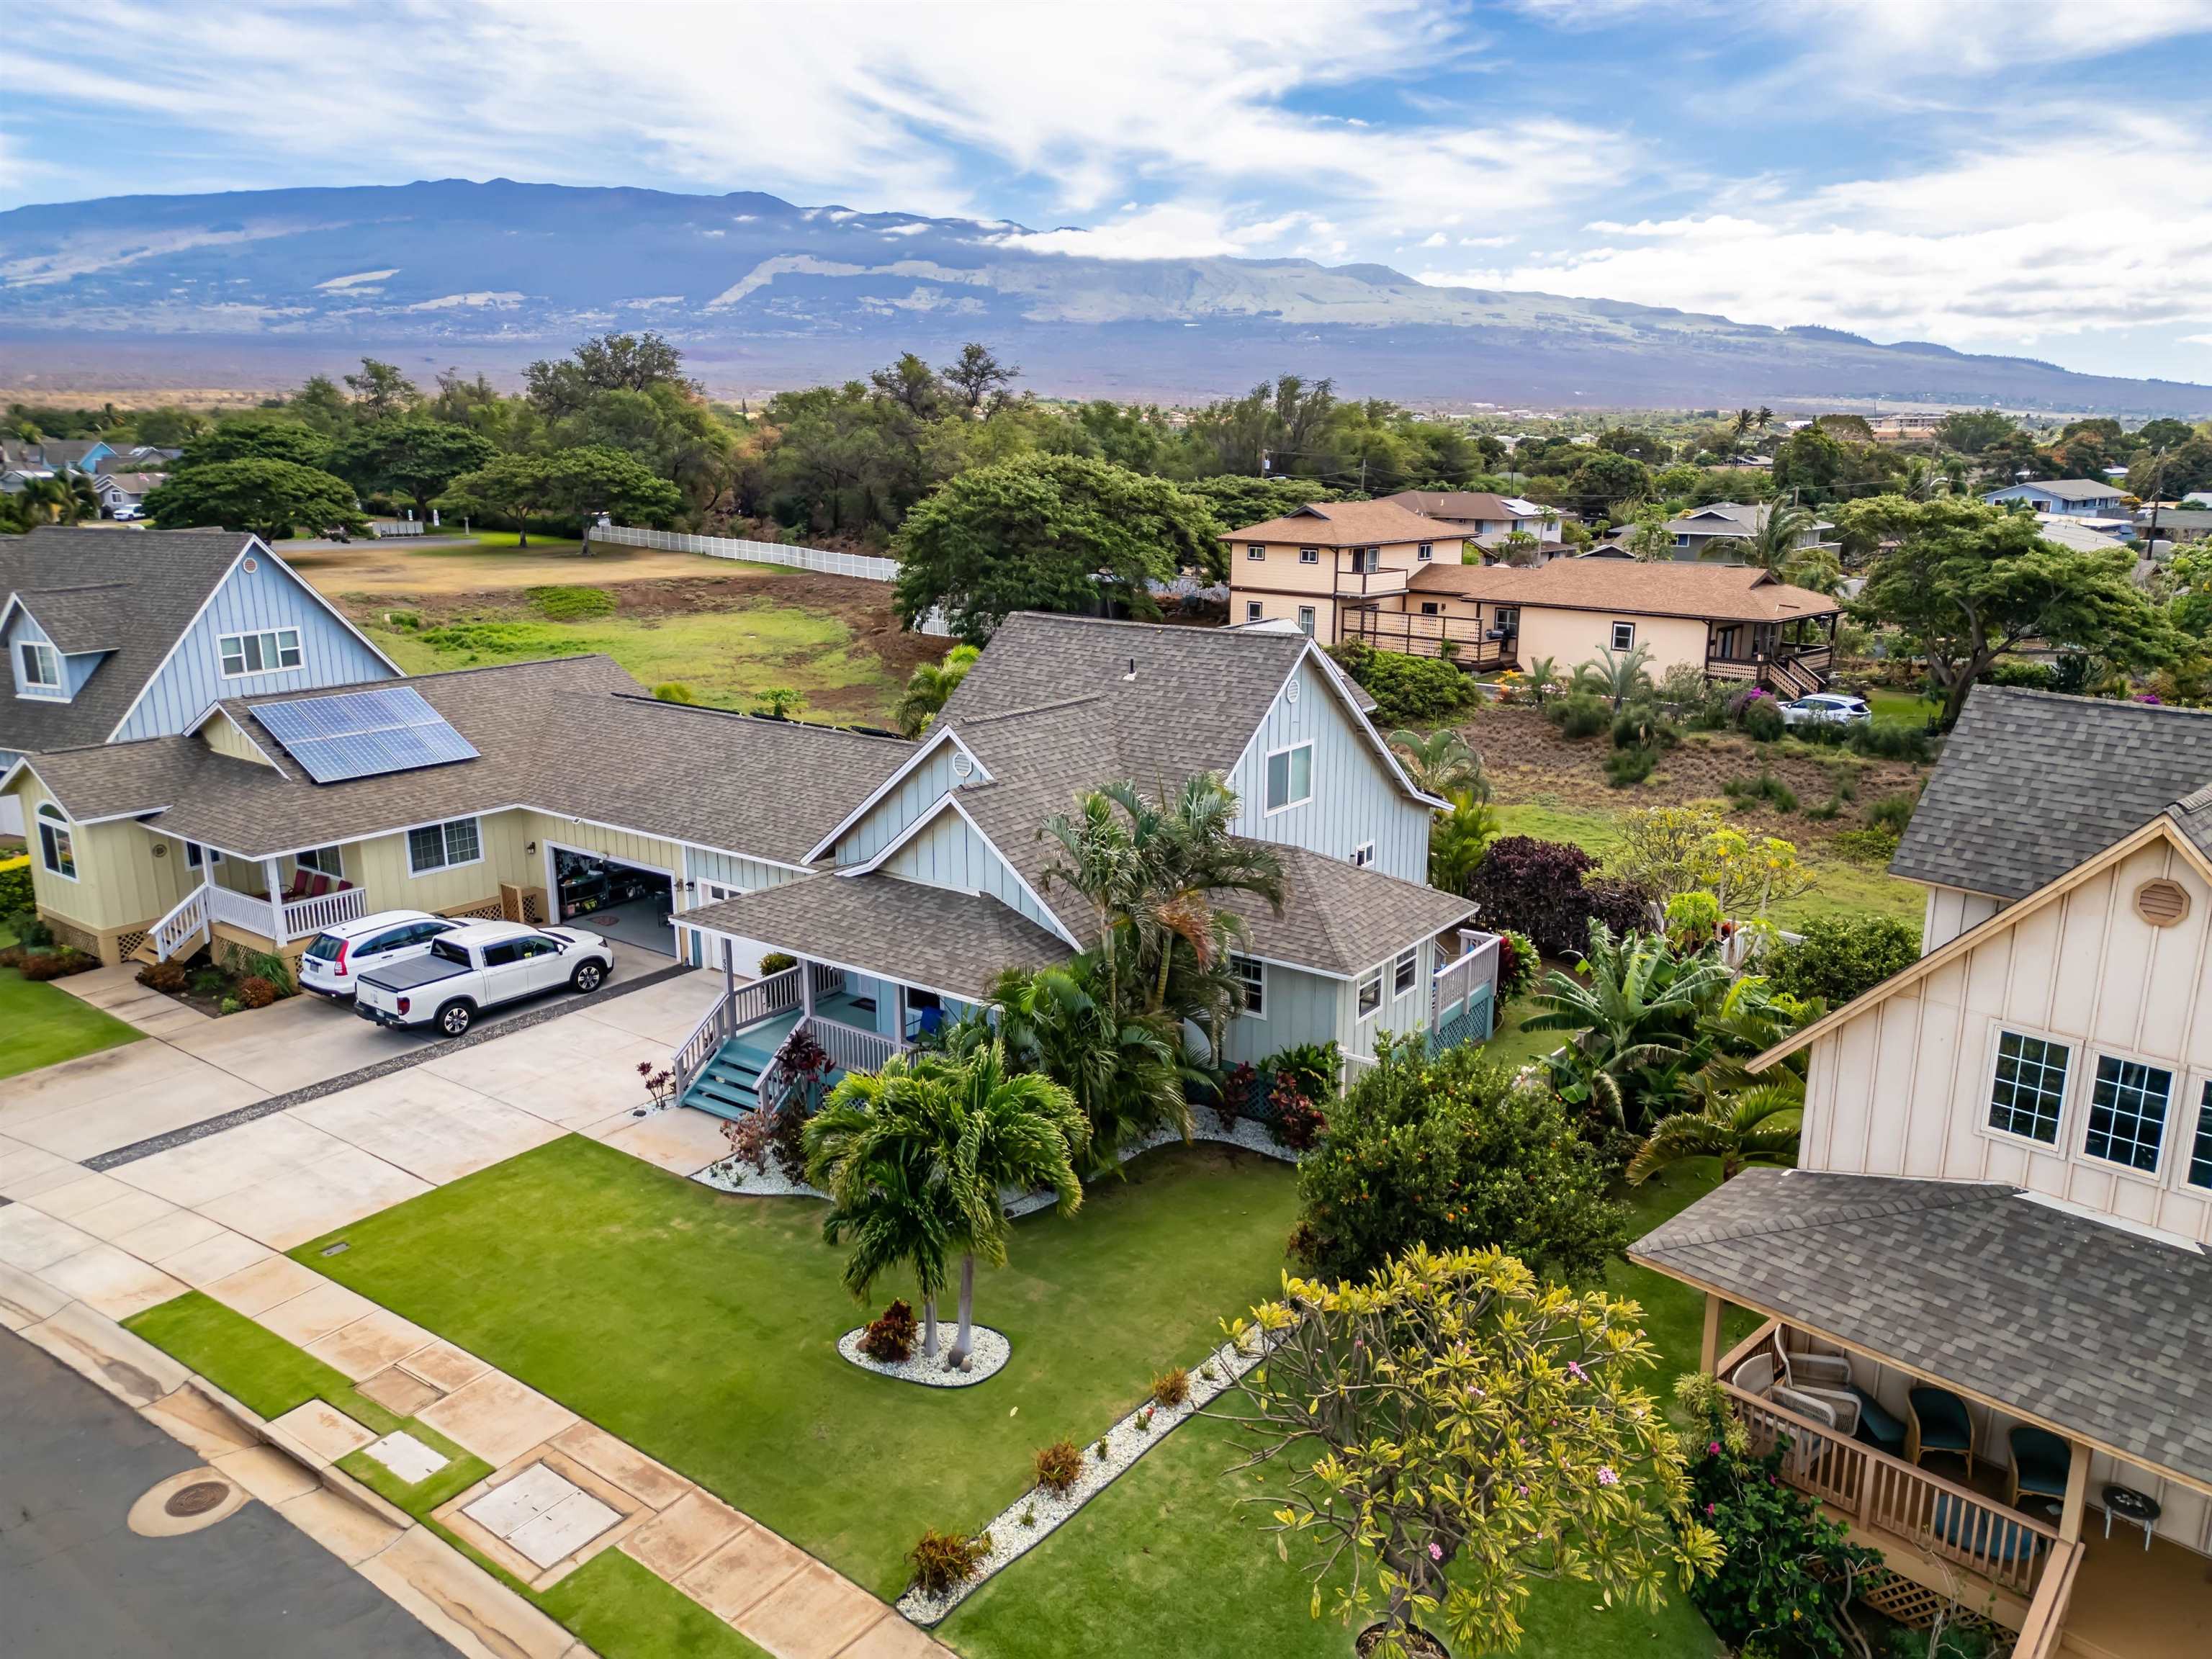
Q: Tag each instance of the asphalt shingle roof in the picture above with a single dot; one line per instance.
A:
(2069, 490)
(1666, 587)
(164, 577)
(2077, 1323)
(1340, 919)
(954, 943)
(1347, 524)
(2032, 783)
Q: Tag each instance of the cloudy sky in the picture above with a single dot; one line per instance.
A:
(2029, 176)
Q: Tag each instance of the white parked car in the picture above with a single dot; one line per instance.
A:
(479, 966)
(1826, 709)
(126, 514)
(339, 955)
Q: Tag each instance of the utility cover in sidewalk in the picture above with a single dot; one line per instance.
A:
(545, 1515)
(406, 1456)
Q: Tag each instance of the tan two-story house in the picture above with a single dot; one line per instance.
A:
(1311, 567)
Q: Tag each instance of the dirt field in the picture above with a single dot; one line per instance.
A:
(401, 568)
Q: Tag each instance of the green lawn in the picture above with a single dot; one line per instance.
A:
(1514, 1046)
(1167, 1560)
(488, 541)
(47, 1025)
(1893, 707)
(1843, 889)
(703, 1329)
(724, 656)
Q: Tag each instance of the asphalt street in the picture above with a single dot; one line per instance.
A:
(77, 1583)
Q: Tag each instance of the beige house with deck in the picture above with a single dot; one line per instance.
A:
(1310, 566)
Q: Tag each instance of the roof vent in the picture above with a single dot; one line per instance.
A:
(2162, 903)
(1132, 674)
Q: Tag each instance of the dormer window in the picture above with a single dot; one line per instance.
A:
(273, 651)
(40, 667)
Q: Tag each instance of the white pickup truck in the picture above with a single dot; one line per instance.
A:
(479, 967)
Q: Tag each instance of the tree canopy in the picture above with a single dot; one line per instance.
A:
(572, 484)
(415, 456)
(268, 497)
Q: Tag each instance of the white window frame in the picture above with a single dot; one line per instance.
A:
(1308, 620)
(34, 659)
(1368, 995)
(1362, 855)
(444, 829)
(2057, 1145)
(2196, 1106)
(2177, 1074)
(56, 842)
(1618, 629)
(1254, 552)
(1255, 611)
(1254, 974)
(1425, 551)
(1406, 972)
(270, 642)
(1267, 779)
(313, 858)
(1309, 556)
(198, 855)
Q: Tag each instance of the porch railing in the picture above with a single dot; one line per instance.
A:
(2001, 1544)
(2045, 1627)
(256, 915)
(182, 925)
(304, 917)
(1463, 996)
(732, 1012)
(1411, 634)
(849, 1048)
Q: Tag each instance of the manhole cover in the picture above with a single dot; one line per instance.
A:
(196, 1499)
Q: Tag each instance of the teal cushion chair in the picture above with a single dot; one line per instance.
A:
(1879, 1426)
(1937, 1421)
(2040, 1461)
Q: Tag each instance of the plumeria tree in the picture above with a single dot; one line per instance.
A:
(1451, 1430)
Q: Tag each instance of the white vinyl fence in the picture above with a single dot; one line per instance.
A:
(826, 561)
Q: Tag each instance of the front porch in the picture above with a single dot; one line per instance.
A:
(1789, 659)
(279, 919)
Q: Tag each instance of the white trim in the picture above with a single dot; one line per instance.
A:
(1363, 856)
(176, 645)
(65, 829)
(414, 871)
(1267, 765)
(2056, 1146)
(1342, 682)
(1260, 963)
(2196, 1101)
(965, 999)
(929, 816)
(1359, 987)
(1408, 958)
(1617, 626)
(299, 645)
(675, 883)
(54, 691)
(214, 709)
(2177, 1073)
(943, 734)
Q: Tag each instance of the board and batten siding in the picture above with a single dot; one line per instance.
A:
(120, 882)
(1354, 800)
(742, 875)
(224, 737)
(1903, 1088)
(1950, 912)
(951, 852)
(380, 864)
(915, 794)
(268, 596)
(1299, 1007)
(1399, 1014)
(23, 629)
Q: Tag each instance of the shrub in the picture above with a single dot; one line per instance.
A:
(1545, 889)
(2011, 670)
(1579, 716)
(1898, 743)
(1624, 768)
(1748, 793)
(30, 933)
(1313, 1068)
(168, 976)
(1292, 1119)
(1762, 721)
(889, 1338)
(1694, 919)
(1518, 964)
(571, 604)
(1454, 1154)
(944, 1561)
(1685, 688)
(776, 962)
(1171, 1389)
(255, 992)
(54, 964)
(1840, 958)
(1868, 844)
(229, 1006)
(210, 981)
(1641, 725)
(409, 620)
(16, 895)
(264, 964)
(1407, 690)
(1892, 812)
(673, 691)
(1059, 1466)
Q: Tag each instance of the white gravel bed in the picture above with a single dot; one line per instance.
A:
(987, 1354)
(729, 1175)
(1030, 1519)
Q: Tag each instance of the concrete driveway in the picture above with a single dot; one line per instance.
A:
(193, 1068)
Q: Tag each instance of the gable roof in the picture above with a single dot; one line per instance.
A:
(2077, 1324)
(2067, 490)
(573, 737)
(1340, 919)
(1346, 524)
(138, 483)
(1747, 516)
(2032, 783)
(159, 580)
(76, 619)
(1474, 504)
(1724, 592)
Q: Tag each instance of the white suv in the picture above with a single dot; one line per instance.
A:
(339, 955)
(1827, 708)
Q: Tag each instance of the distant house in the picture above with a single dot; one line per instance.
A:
(75, 454)
(2072, 498)
(1487, 519)
(121, 494)
(1732, 622)
(2177, 524)
(2083, 535)
(1306, 566)
(1696, 531)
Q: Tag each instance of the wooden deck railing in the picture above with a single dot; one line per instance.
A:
(2043, 1628)
(732, 1012)
(1413, 635)
(304, 917)
(2001, 1544)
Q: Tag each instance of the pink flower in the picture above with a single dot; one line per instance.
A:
(1435, 1551)
(1605, 1477)
(1575, 1370)
(1712, 1448)
(1710, 1508)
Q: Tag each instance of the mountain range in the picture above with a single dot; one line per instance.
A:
(256, 288)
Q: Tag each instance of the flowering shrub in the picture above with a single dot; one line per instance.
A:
(1518, 964)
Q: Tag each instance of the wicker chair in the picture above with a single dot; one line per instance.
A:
(2041, 1461)
(1937, 1420)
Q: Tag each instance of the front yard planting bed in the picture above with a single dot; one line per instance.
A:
(702, 1327)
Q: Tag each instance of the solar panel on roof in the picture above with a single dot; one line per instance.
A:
(364, 734)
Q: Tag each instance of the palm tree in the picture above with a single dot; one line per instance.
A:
(1755, 1126)
(930, 687)
(1543, 675)
(1458, 841)
(1632, 1008)
(1620, 676)
(1518, 546)
(1125, 1071)
(1441, 763)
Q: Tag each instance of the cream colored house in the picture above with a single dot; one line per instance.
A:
(1996, 1235)
(1732, 622)
(1312, 565)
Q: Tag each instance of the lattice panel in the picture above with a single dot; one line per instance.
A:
(1916, 1606)
(129, 940)
(488, 911)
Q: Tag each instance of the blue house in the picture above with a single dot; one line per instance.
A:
(2070, 498)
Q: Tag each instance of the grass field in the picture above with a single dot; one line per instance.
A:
(726, 657)
(1899, 708)
(47, 1025)
(1843, 889)
(703, 1329)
